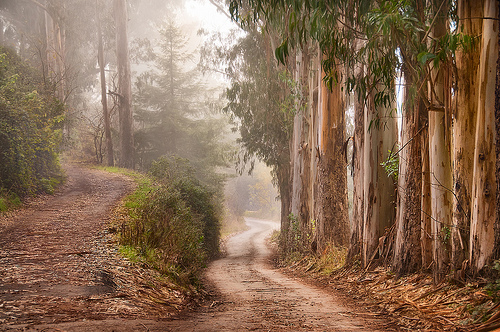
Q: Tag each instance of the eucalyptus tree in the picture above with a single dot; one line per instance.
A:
(464, 124)
(104, 96)
(259, 103)
(483, 205)
(334, 26)
(394, 37)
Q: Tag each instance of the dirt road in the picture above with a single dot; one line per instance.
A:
(60, 272)
(255, 297)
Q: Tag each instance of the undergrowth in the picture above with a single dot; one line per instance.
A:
(172, 221)
(9, 201)
(329, 261)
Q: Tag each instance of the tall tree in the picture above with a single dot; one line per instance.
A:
(332, 175)
(464, 128)
(440, 175)
(124, 85)
(262, 108)
(380, 141)
(104, 96)
(483, 183)
(172, 107)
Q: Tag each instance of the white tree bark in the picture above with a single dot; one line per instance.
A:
(440, 175)
(483, 185)
(379, 189)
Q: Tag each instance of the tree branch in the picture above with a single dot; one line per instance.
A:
(222, 10)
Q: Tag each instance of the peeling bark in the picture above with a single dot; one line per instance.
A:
(464, 128)
(440, 175)
(379, 190)
(407, 249)
(332, 223)
(483, 184)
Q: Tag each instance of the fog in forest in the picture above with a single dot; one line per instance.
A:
(162, 95)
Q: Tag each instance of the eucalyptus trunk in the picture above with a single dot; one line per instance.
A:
(332, 222)
(305, 148)
(483, 184)
(407, 246)
(440, 174)
(464, 129)
(496, 249)
(379, 189)
(426, 236)
(356, 229)
(104, 96)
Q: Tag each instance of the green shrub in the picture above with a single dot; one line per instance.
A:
(174, 221)
(30, 129)
(203, 200)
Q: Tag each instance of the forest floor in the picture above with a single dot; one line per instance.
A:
(60, 270)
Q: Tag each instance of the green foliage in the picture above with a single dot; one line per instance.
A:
(391, 165)
(493, 288)
(30, 130)
(260, 103)
(300, 235)
(9, 201)
(174, 220)
(445, 234)
(386, 37)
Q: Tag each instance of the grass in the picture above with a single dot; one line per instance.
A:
(9, 201)
(332, 259)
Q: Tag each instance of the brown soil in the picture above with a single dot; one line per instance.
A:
(59, 271)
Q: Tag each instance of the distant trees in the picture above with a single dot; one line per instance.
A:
(104, 96)
(261, 106)
(173, 108)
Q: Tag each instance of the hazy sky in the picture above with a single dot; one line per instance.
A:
(207, 15)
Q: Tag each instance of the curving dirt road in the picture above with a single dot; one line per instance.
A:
(255, 297)
(59, 271)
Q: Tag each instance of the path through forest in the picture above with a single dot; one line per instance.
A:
(60, 272)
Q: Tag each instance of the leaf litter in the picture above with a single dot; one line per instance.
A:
(59, 260)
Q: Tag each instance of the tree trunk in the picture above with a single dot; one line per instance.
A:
(496, 249)
(283, 175)
(104, 96)
(296, 171)
(356, 233)
(332, 223)
(379, 194)
(314, 83)
(426, 237)
(407, 250)
(124, 85)
(483, 183)
(464, 128)
(440, 175)
(305, 210)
